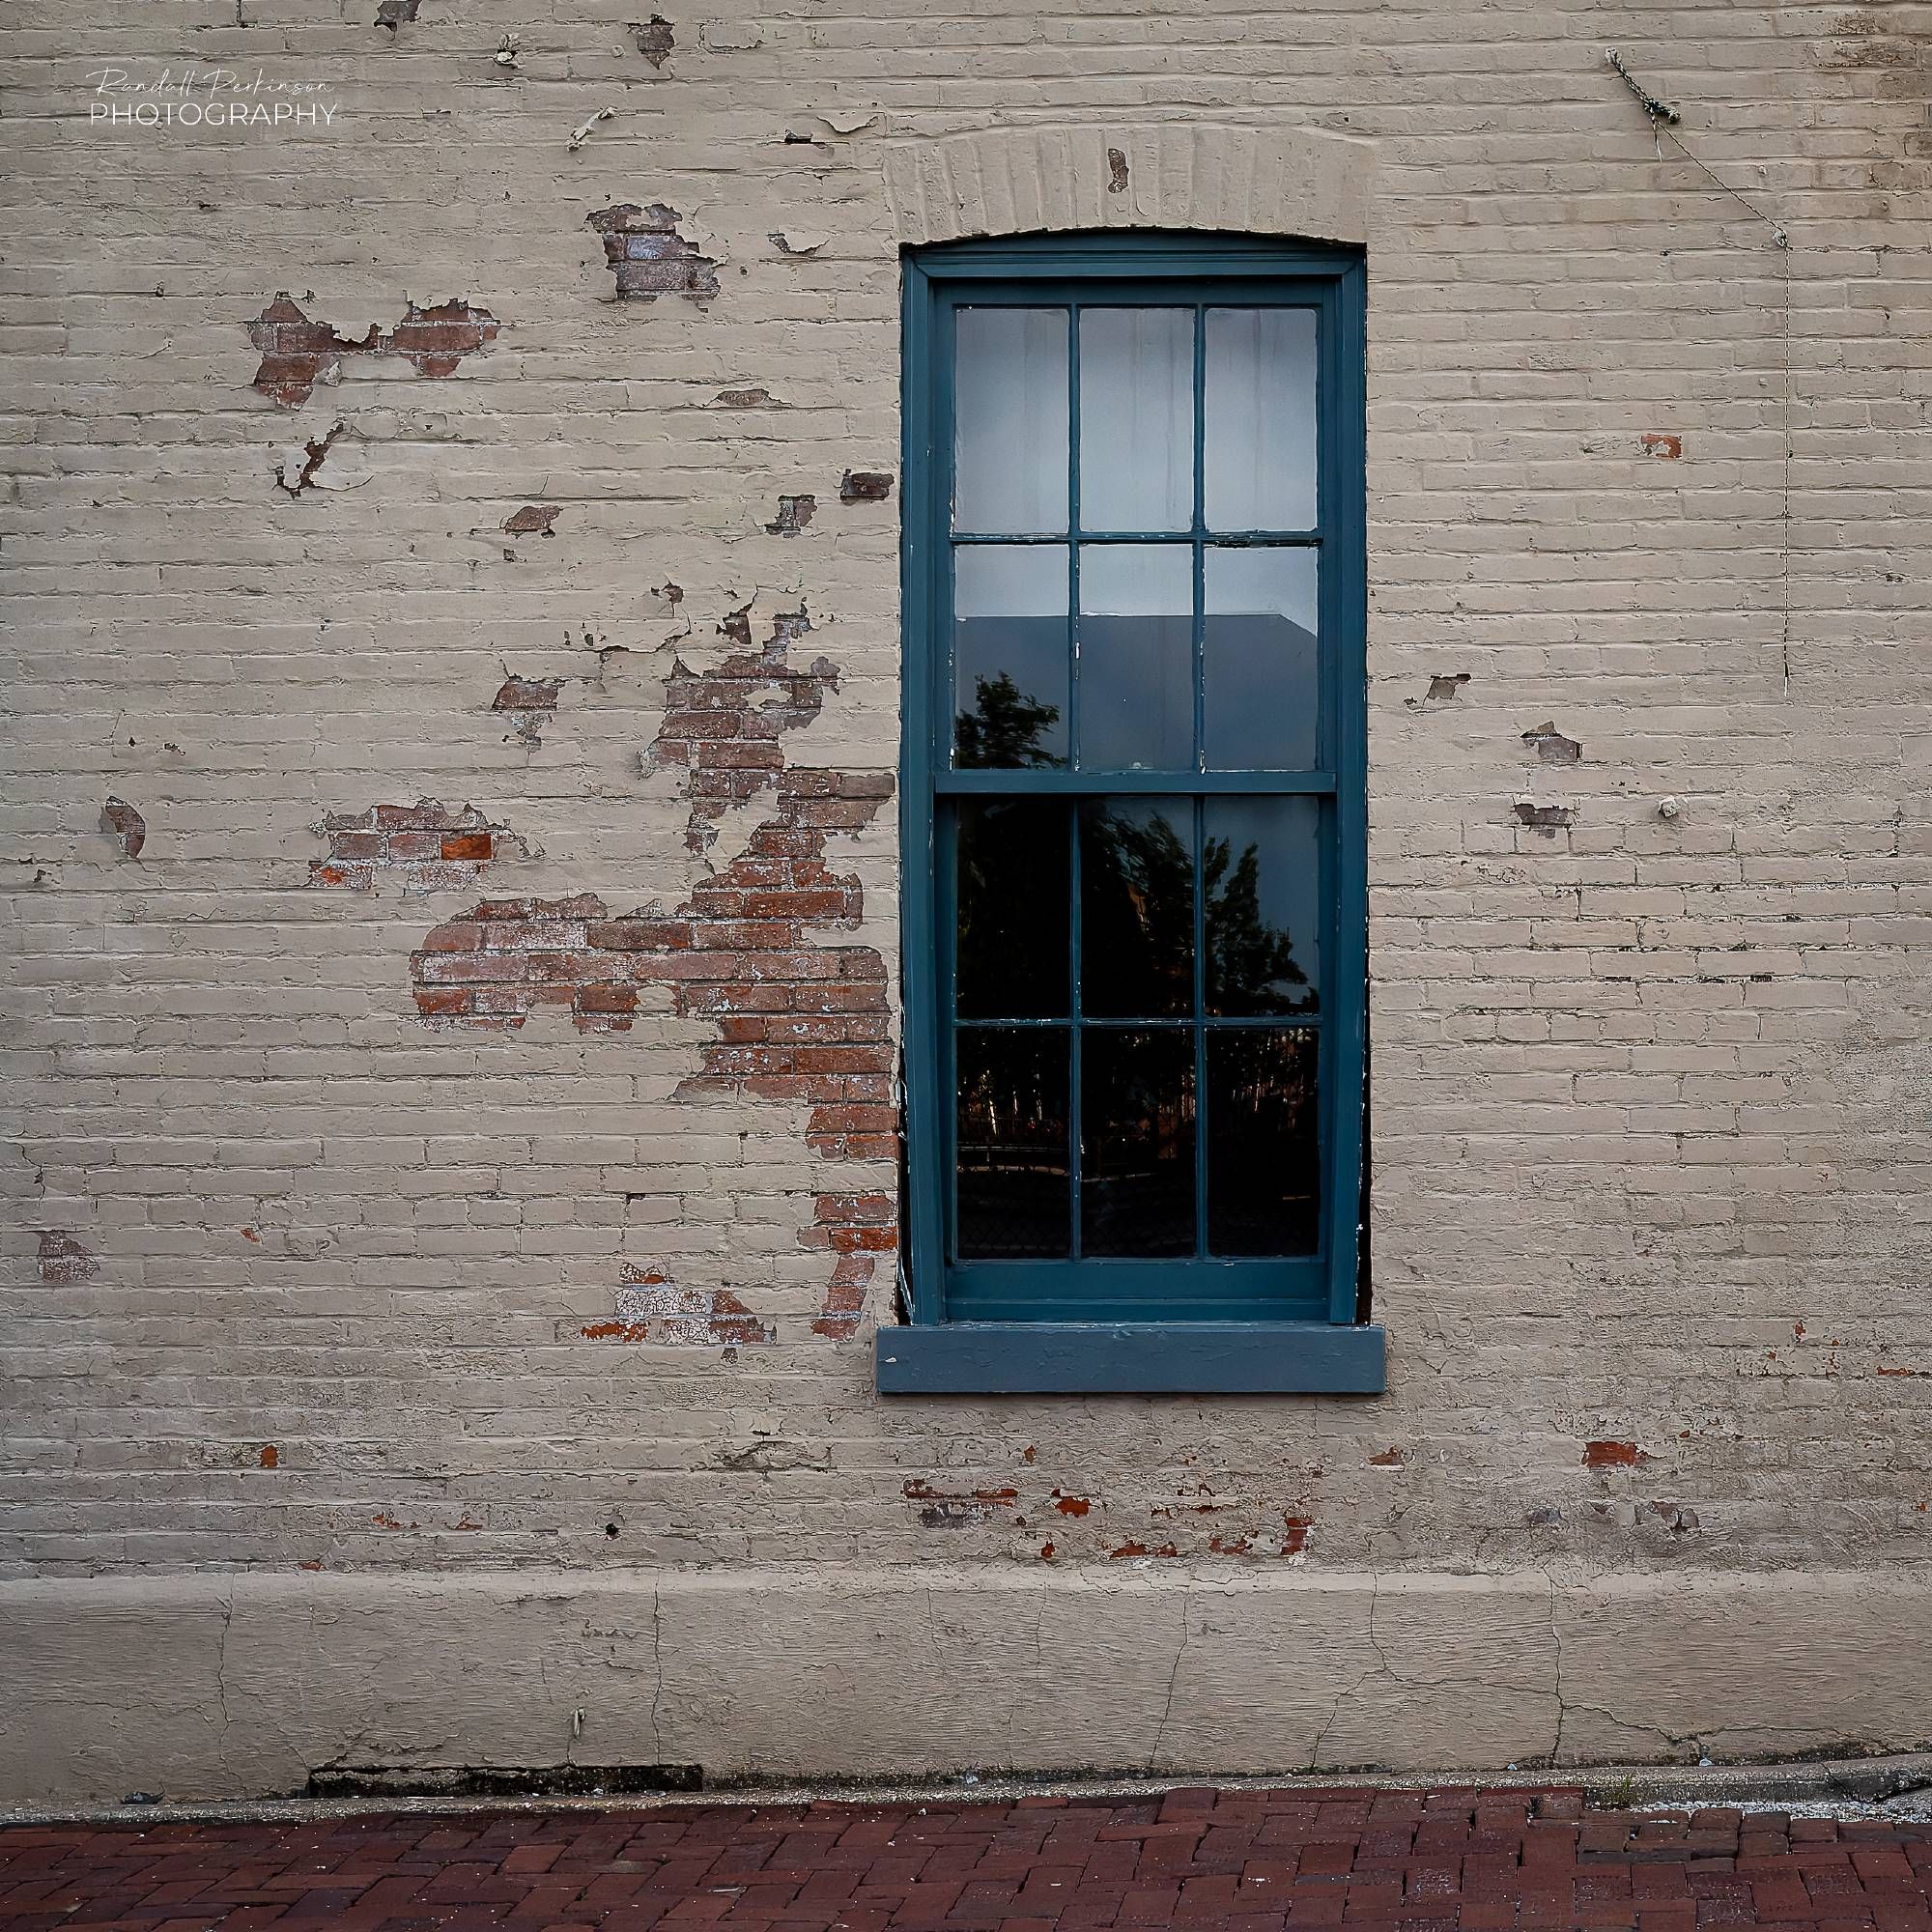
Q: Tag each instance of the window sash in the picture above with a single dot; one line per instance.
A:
(1196, 275)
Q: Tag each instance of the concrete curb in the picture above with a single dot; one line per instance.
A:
(1891, 1786)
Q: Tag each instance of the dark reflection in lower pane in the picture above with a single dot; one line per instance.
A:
(1264, 1146)
(1137, 908)
(1013, 960)
(1261, 869)
(1137, 1142)
(1014, 1195)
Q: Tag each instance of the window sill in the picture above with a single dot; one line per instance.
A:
(1131, 1358)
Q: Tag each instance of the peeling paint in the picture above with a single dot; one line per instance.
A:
(1548, 819)
(794, 514)
(425, 846)
(62, 1256)
(649, 258)
(298, 353)
(1552, 746)
(655, 38)
(534, 520)
(307, 463)
(529, 703)
(651, 1307)
(128, 827)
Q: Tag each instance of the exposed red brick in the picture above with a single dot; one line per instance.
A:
(649, 257)
(1072, 1505)
(724, 724)
(426, 845)
(1294, 1534)
(797, 1021)
(298, 353)
(530, 703)
(865, 486)
(126, 824)
(1389, 1459)
(1662, 445)
(63, 1258)
(1606, 1455)
(941, 1508)
(652, 1308)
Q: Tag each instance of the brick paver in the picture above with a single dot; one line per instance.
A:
(1197, 1860)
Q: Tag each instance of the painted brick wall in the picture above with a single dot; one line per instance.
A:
(451, 863)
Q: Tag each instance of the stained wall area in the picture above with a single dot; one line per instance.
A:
(450, 552)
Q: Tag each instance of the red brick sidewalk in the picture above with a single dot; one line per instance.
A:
(1199, 1861)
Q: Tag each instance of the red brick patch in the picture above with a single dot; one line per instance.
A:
(426, 846)
(128, 827)
(61, 1257)
(651, 1307)
(649, 257)
(298, 353)
(529, 703)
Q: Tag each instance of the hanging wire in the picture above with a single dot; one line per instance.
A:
(1663, 121)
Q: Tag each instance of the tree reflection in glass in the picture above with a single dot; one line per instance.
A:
(1008, 728)
(1137, 908)
(1262, 923)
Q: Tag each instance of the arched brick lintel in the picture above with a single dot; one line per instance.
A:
(1017, 181)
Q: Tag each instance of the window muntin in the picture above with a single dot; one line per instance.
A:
(1135, 827)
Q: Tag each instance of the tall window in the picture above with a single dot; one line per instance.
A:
(1134, 815)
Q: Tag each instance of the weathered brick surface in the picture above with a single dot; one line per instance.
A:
(1651, 1147)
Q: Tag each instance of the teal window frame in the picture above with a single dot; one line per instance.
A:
(1107, 1330)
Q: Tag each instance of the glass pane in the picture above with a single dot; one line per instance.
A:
(1136, 419)
(1137, 1142)
(1009, 655)
(1260, 410)
(1261, 862)
(1137, 908)
(1259, 708)
(1014, 902)
(1014, 1195)
(1264, 1164)
(1009, 413)
(1136, 657)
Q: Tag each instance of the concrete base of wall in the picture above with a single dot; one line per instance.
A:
(225, 1686)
